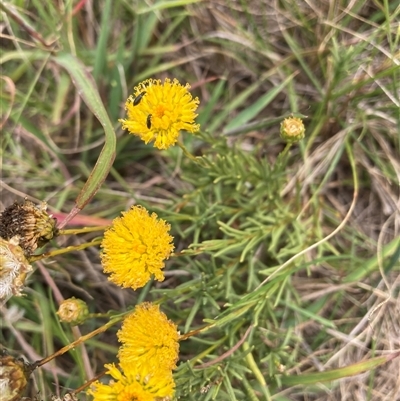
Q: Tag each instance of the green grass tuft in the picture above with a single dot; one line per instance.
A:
(286, 260)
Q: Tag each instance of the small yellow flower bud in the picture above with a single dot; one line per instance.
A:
(14, 374)
(30, 222)
(73, 311)
(13, 268)
(292, 129)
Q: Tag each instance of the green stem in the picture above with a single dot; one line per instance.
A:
(57, 252)
(80, 340)
(73, 231)
(187, 153)
(281, 157)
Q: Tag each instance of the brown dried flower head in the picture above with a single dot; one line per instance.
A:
(32, 223)
(67, 397)
(13, 268)
(73, 310)
(14, 374)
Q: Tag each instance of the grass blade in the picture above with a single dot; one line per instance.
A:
(336, 374)
(250, 112)
(87, 90)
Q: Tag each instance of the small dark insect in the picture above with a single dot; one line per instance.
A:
(148, 121)
(138, 98)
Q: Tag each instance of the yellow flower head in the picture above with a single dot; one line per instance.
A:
(157, 112)
(149, 340)
(135, 247)
(133, 385)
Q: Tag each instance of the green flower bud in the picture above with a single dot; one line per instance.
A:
(292, 129)
(73, 311)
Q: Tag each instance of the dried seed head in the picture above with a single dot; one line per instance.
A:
(13, 268)
(67, 397)
(72, 310)
(292, 129)
(14, 374)
(32, 223)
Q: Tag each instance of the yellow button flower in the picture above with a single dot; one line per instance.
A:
(135, 247)
(134, 385)
(158, 112)
(149, 340)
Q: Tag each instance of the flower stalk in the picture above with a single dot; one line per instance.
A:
(62, 251)
(114, 320)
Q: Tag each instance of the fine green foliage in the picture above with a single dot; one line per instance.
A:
(285, 274)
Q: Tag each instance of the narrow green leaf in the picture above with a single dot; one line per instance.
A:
(247, 114)
(61, 93)
(192, 314)
(88, 91)
(309, 314)
(161, 5)
(231, 106)
(209, 107)
(389, 251)
(299, 54)
(251, 244)
(101, 50)
(336, 374)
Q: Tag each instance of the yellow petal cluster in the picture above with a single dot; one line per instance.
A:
(135, 247)
(148, 354)
(133, 385)
(149, 340)
(159, 111)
